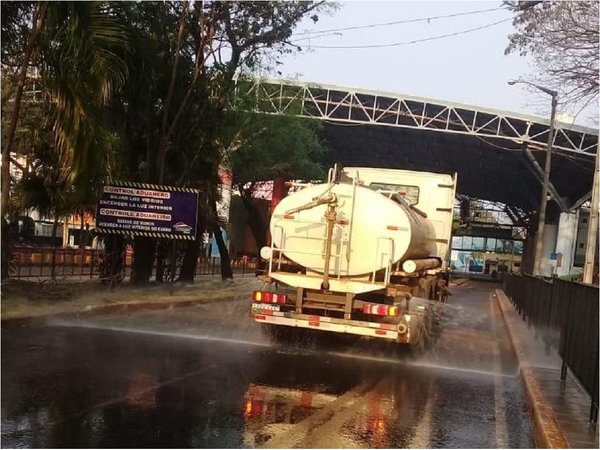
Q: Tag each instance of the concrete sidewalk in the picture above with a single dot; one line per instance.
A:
(559, 411)
(23, 302)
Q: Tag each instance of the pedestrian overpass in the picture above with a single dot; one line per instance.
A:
(498, 155)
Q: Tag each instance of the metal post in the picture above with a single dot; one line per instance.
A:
(539, 237)
(590, 252)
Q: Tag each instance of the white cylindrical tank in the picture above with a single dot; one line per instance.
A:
(371, 230)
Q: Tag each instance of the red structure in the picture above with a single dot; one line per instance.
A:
(280, 189)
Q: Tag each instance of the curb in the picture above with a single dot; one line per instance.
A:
(547, 431)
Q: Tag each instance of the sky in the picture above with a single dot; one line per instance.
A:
(469, 68)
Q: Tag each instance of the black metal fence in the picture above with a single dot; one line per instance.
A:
(27, 263)
(566, 313)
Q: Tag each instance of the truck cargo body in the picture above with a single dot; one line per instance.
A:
(350, 255)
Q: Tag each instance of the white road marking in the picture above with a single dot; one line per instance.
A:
(423, 431)
(300, 431)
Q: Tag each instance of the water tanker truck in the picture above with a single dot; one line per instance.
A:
(363, 254)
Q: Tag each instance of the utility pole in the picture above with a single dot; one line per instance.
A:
(539, 237)
(590, 251)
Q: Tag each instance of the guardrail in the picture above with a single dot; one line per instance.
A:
(566, 314)
(74, 263)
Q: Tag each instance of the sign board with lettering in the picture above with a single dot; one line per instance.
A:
(141, 209)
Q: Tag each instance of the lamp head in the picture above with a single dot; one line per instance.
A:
(512, 82)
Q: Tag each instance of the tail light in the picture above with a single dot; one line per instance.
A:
(269, 297)
(380, 310)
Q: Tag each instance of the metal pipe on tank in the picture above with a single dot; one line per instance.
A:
(330, 216)
(416, 265)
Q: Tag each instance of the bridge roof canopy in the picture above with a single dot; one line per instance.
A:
(494, 152)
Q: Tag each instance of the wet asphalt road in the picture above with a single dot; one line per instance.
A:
(204, 376)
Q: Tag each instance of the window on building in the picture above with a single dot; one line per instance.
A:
(518, 247)
(467, 243)
(500, 245)
(478, 243)
(457, 242)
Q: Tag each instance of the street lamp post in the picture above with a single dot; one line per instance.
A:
(539, 238)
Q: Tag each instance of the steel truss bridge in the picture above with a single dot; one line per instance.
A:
(497, 154)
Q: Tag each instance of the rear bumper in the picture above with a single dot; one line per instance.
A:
(390, 332)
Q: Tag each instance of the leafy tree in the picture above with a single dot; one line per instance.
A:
(151, 79)
(9, 25)
(78, 48)
(46, 190)
(266, 147)
(562, 37)
(182, 66)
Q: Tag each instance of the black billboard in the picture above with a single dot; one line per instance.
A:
(141, 209)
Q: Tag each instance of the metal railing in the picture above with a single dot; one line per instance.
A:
(566, 314)
(27, 263)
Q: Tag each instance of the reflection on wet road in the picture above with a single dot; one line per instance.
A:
(205, 376)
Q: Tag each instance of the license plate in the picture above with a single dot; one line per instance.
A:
(262, 306)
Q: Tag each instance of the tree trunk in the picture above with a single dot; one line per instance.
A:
(39, 19)
(162, 249)
(81, 227)
(256, 223)
(143, 260)
(81, 244)
(190, 260)
(163, 137)
(54, 228)
(6, 249)
(114, 247)
(226, 272)
(192, 251)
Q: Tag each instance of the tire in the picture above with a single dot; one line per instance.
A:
(282, 335)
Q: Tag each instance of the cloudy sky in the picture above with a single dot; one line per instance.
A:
(466, 67)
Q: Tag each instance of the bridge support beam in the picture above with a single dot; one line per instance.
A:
(538, 172)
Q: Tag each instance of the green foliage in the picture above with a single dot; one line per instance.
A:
(265, 147)
(124, 83)
(16, 19)
(45, 188)
(83, 66)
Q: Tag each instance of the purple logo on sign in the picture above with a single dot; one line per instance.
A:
(148, 210)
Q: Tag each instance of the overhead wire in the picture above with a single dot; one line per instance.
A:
(414, 41)
(398, 22)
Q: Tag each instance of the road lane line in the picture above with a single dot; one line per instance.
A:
(328, 435)
(499, 400)
(300, 431)
(423, 431)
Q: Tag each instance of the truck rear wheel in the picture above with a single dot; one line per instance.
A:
(282, 334)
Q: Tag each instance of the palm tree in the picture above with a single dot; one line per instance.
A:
(79, 49)
(84, 46)
(44, 190)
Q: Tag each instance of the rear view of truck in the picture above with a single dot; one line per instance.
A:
(359, 254)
